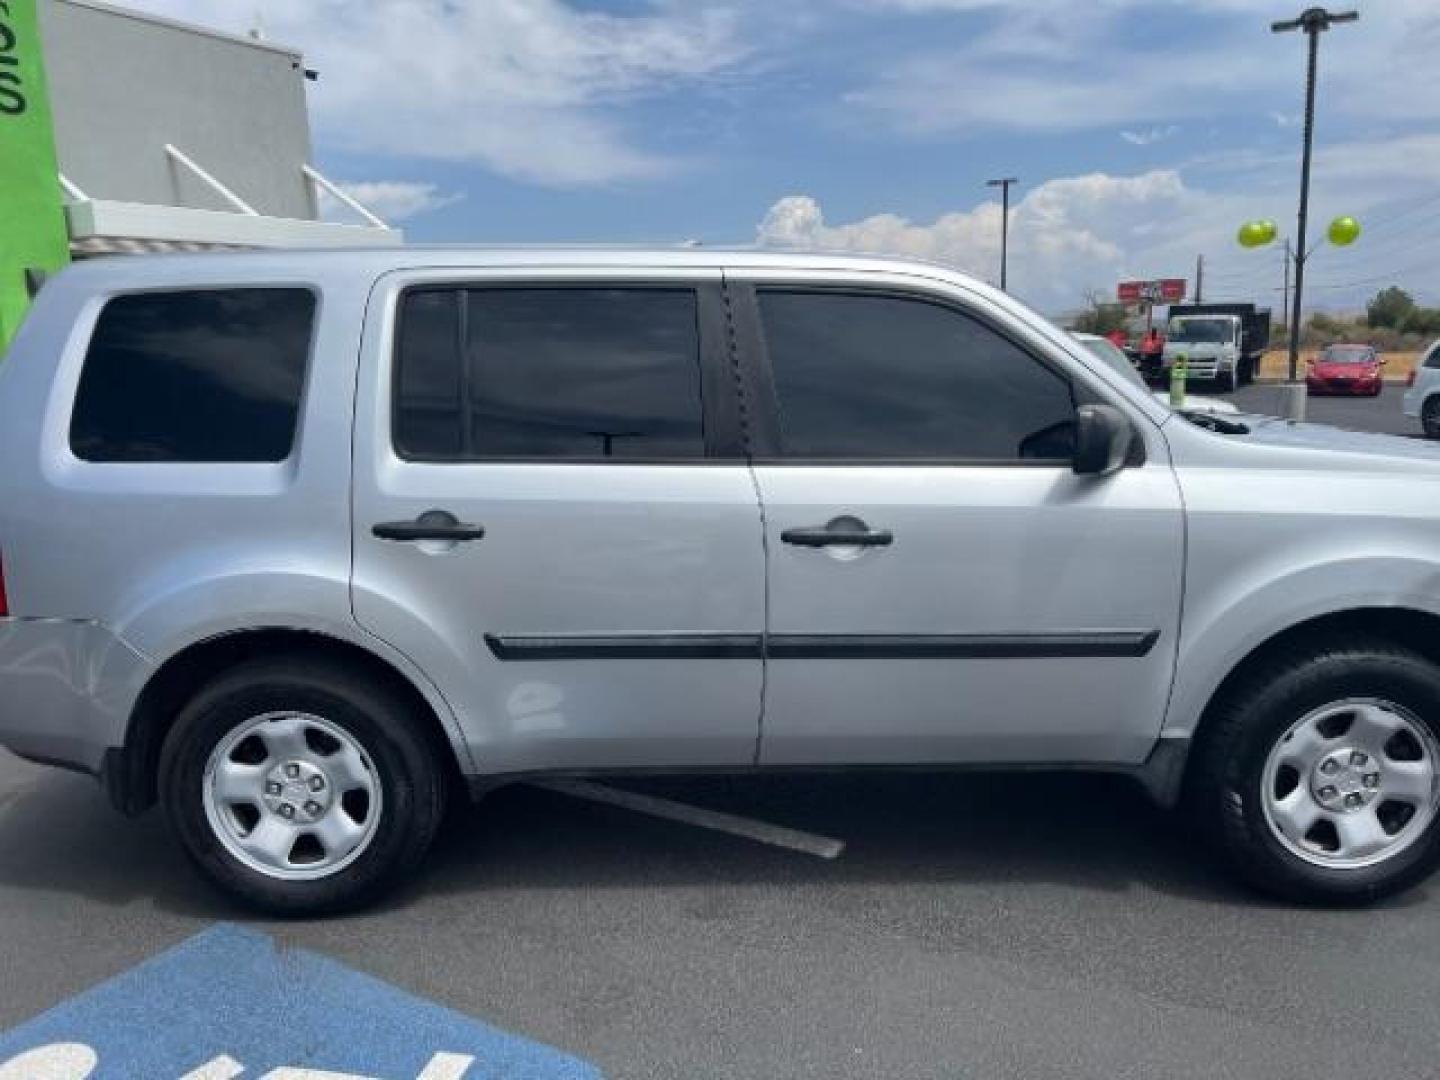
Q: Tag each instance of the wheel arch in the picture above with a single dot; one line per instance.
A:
(130, 771)
(1165, 773)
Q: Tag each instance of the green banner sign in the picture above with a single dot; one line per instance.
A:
(32, 216)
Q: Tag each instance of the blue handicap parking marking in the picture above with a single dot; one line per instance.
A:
(231, 1004)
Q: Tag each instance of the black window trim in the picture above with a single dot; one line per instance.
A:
(92, 322)
(756, 375)
(720, 414)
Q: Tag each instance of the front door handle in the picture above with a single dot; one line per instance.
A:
(431, 525)
(828, 536)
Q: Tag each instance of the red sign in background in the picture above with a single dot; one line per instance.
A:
(1163, 291)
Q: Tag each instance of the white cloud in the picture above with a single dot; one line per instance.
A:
(528, 88)
(1150, 135)
(1075, 233)
(393, 200)
(1065, 235)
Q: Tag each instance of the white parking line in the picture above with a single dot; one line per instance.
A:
(809, 843)
(223, 1067)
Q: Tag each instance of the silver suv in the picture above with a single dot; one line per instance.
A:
(1422, 398)
(300, 545)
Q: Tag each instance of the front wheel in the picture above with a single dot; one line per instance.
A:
(1430, 418)
(301, 788)
(1229, 381)
(1319, 780)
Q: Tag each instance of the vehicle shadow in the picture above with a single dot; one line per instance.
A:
(1076, 830)
(1085, 833)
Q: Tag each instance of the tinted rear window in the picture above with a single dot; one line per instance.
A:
(562, 373)
(210, 375)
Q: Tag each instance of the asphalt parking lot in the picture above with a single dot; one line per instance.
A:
(976, 926)
(1362, 414)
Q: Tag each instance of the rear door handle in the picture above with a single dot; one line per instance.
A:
(826, 536)
(431, 525)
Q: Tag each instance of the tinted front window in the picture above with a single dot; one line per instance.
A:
(548, 373)
(888, 377)
(207, 376)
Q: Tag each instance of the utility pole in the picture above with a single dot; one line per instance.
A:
(1003, 183)
(1285, 302)
(1313, 22)
(1199, 278)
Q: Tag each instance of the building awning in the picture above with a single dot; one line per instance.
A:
(129, 245)
(100, 226)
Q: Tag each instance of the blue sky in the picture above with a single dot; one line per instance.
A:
(1143, 133)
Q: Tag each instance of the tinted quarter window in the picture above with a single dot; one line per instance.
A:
(871, 376)
(549, 373)
(428, 378)
(203, 376)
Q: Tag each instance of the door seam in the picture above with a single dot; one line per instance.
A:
(742, 405)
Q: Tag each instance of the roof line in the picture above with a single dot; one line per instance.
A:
(185, 27)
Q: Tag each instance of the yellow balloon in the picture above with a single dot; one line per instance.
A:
(1344, 230)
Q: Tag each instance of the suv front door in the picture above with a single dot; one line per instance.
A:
(943, 587)
(611, 613)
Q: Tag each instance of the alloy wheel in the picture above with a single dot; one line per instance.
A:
(1352, 783)
(292, 796)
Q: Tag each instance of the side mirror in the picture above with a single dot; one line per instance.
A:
(1102, 440)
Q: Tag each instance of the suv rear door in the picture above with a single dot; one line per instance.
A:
(942, 586)
(611, 614)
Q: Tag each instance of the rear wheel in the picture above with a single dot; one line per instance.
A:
(1430, 418)
(1319, 780)
(301, 788)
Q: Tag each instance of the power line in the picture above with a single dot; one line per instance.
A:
(1379, 261)
(1388, 223)
(1391, 277)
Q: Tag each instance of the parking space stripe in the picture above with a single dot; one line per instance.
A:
(822, 847)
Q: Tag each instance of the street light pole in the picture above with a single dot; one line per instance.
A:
(1313, 22)
(1003, 183)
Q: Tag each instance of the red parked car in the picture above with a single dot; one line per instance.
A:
(1346, 369)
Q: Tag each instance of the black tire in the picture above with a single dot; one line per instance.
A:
(1223, 790)
(1228, 381)
(1430, 417)
(412, 781)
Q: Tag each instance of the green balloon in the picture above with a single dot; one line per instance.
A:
(1256, 233)
(1344, 230)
